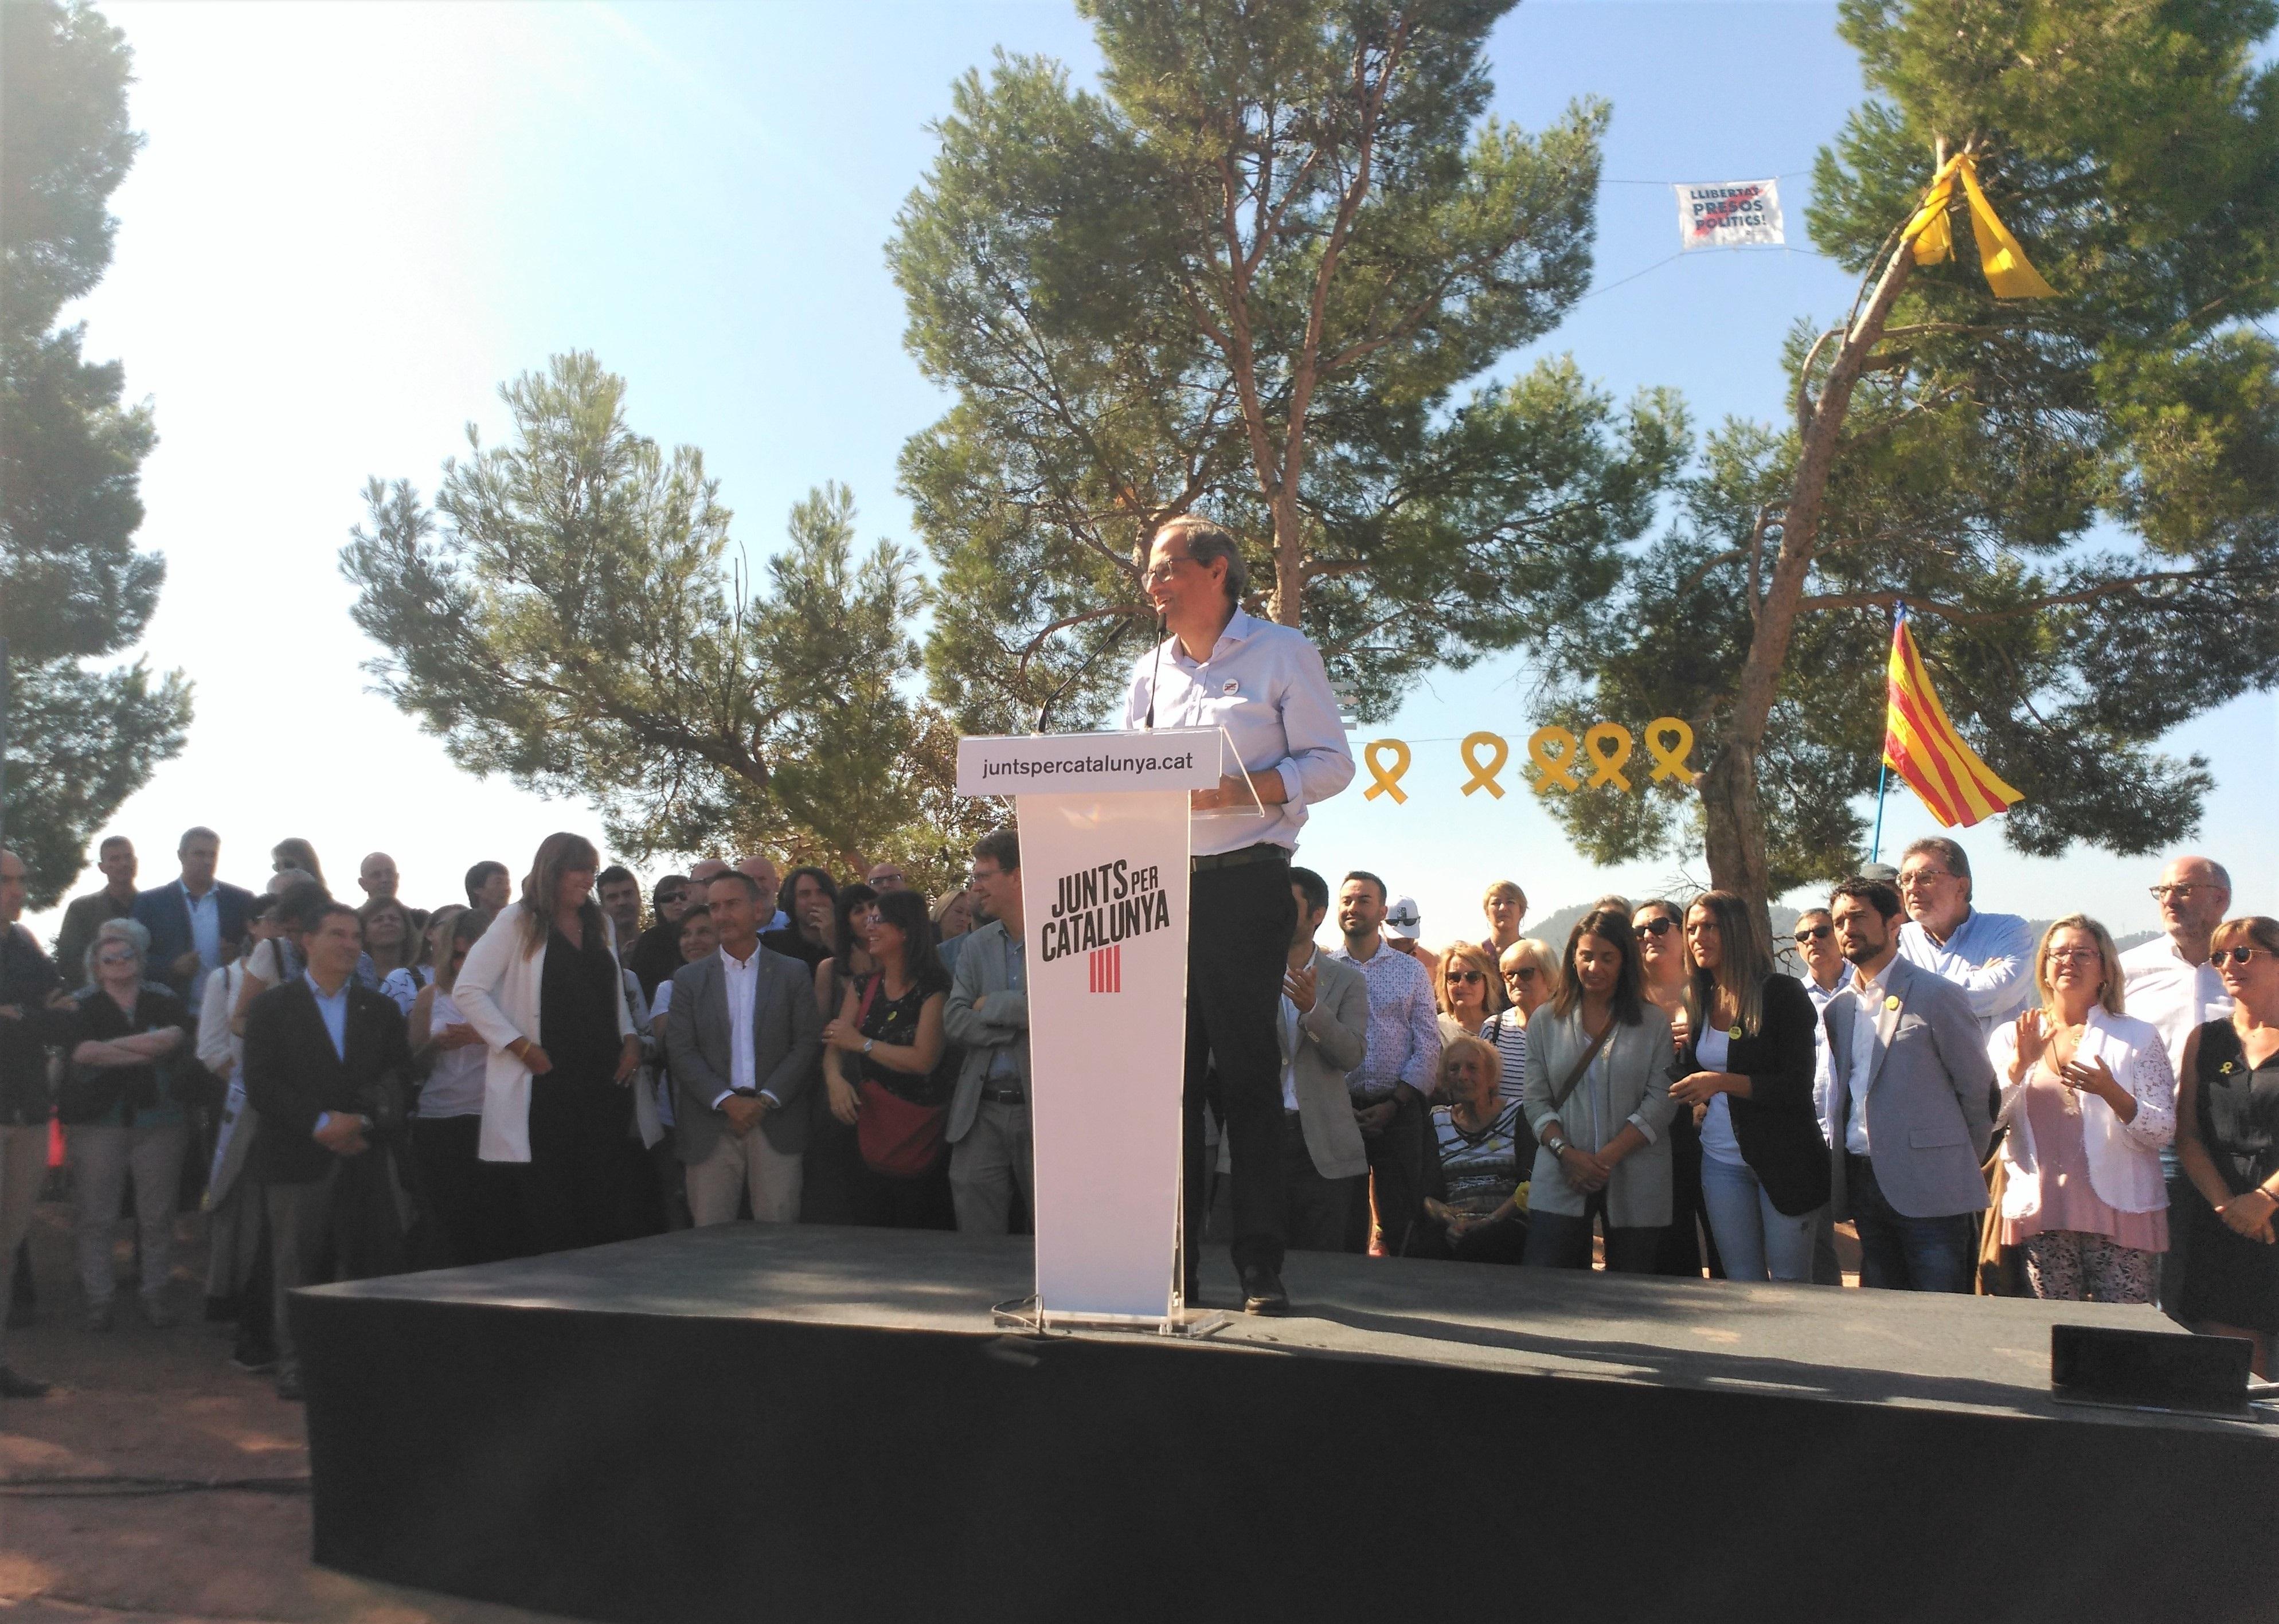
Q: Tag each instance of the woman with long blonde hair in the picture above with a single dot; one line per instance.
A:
(544, 988)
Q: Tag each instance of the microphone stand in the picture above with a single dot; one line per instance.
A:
(1116, 635)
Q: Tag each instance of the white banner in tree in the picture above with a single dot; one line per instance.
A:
(1729, 214)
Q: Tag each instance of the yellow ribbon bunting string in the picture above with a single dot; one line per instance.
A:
(1670, 760)
(1388, 779)
(1485, 777)
(1607, 765)
(2008, 272)
(1558, 769)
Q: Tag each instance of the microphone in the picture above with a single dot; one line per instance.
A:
(1155, 676)
(1115, 636)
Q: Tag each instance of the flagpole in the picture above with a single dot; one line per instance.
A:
(1884, 754)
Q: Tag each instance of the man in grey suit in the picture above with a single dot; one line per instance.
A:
(991, 1146)
(1910, 1100)
(742, 1038)
(1323, 1029)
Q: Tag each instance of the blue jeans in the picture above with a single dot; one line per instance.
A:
(1755, 1240)
(1901, 1253)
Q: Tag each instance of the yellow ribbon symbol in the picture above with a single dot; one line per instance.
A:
(1558, 769)
(1607, 765)
(1388, 780)
(2008, 272)
(1669, 760)
(1485, 777)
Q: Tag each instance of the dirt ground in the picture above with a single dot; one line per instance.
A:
(138, 1405)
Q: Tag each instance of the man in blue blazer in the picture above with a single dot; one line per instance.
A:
(196, 922)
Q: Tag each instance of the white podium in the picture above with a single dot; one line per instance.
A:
(1104, 822)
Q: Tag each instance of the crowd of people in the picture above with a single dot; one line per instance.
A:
(359, 1089)
(562, 1063)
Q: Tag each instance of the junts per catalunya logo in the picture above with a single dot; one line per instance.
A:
(1096, 909)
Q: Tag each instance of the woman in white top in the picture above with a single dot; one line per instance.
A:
(234, 1203)
(392, 944)
(2089, 1099)
(278, 958)
(469, 1216)
(544, 988)
(1470, 993)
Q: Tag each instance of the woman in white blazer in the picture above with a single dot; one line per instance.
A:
(544, 988)
(2089, 1099)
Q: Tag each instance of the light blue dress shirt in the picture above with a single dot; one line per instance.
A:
(334, 1008)
(205, 935)
(1989, 957)
(1266, 686)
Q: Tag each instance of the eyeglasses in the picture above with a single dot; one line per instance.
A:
(1922, 877)
(129, 958)
(1815, 933)
(2164, 894)
(1163, 572)
(1469, 977)
(1661, 925)
(2065, 955)
(671, 897)
(2234, 955)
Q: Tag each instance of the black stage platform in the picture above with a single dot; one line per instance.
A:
(805, 1424)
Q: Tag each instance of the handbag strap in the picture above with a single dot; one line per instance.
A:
(869, 997)
(1558, 1095)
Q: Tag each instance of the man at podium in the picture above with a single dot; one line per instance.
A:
(1266, 686)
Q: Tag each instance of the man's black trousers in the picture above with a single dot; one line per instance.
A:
(1239, 925)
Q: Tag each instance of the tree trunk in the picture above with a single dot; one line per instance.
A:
(1732, 813)
(1288, 604)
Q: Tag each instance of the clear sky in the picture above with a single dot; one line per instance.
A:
(353, 220)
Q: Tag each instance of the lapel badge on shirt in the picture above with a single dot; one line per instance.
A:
(1734, 1034)
(1892, 1002)
(1230, 685)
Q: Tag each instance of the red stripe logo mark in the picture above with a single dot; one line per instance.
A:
(1107, 968)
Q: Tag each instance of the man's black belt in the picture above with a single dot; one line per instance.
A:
(1005, 1096)
(1265, 851)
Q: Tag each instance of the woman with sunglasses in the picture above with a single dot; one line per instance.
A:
(466, 1199)
(2089, 1100)
(1470, 995)
(1661, 927)
(1747, 1068)
(2228, 1140)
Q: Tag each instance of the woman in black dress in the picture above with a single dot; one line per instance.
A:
(2227, 1140)
(832, 1171)
(582, 1149)
(888, 1033)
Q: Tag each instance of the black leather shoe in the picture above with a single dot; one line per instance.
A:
(14, 1386)
(1262, 1292)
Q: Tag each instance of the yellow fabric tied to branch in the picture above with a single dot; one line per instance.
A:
(2008, 270)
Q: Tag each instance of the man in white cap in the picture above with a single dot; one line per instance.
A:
(1401, 923)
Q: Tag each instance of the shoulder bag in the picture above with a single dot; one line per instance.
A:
(898, 1140)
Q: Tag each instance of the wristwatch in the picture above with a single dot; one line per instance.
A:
(1557, 1147)
(867, 1042)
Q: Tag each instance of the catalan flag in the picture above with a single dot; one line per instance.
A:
(1922, 745)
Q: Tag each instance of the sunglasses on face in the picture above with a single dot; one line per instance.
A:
(2240, 956)
(1660, 926)
(1525, 972)
(1469, 977)
(1815, 933)
(670, 897)
(128, 958)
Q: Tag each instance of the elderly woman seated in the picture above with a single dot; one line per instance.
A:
(1478, 1210)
